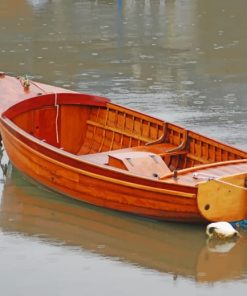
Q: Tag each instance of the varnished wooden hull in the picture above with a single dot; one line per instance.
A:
(107, 155)
(143, 198)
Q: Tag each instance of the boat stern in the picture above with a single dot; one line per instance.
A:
(223, 199)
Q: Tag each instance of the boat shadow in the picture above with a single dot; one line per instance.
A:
(176, 249)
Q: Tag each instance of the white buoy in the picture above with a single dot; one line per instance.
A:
(221, 230)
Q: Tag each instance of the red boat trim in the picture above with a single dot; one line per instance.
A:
(52, 99)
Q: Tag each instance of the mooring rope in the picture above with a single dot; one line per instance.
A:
(57, 114)
(41, 88)
(209, 177)
(231, 184)
(26, 82)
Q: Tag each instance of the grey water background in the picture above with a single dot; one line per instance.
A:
(183, 61)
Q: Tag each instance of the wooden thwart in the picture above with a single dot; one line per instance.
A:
(140, 163)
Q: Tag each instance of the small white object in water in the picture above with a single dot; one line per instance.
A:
(221, 246)
(221, 230)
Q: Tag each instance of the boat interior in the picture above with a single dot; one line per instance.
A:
(100, 132)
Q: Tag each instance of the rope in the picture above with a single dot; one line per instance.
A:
(233, 185)
(26, 82)
(57, 114)
(35, 84)
(217, 179)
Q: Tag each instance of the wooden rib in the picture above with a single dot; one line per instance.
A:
(172, 136)
(200, 148)
(174, 162)
(122, 137)
(213, 153)
(116, 117)
(130, 141)
(133, 130)
(112, 141)
(141, 131)
(185, 162)
(113, 133)
(123, 132)
(131, 134)
(133, 124)
(193, 146)
(149, 128)
(121, 141)
(157, 130)
(94, 130)
(220, 154)
(207, 151)
(124, 121)
(104, 129)
(227, 154)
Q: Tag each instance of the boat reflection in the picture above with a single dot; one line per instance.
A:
(177, 249)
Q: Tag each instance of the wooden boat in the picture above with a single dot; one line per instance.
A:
(93, 150)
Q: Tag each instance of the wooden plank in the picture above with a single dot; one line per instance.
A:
(72, 141)
(25, 121)
(104, 130)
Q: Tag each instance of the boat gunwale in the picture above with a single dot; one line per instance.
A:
(205, 167)
(54, 99)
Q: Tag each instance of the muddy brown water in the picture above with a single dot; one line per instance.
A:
(183, 61)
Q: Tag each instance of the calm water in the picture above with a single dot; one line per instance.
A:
(184, 61)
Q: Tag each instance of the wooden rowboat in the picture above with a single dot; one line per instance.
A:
(93, 150)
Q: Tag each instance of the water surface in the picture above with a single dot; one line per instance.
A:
(183, 61)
